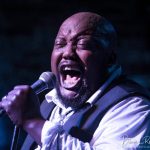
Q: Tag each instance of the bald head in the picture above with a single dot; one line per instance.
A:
(82, 21)
(88, 19)
(92, 23)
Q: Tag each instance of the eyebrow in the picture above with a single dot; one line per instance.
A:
(79, 35)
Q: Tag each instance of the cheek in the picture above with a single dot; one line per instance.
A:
(55, 57)
(85, 56)
(94, 63)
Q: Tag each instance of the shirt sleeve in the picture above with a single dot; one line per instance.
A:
(124, 127)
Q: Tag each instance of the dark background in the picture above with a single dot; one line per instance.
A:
(28, 29)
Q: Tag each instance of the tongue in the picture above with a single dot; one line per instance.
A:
(70, 81)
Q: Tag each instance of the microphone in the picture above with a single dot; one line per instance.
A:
(47, 80)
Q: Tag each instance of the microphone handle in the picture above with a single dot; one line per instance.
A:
(39, 86)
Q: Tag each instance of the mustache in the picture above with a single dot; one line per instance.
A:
(70, 63)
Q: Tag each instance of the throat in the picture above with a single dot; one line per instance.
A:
(70, 81)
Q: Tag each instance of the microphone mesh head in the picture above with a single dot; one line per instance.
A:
(49, 78)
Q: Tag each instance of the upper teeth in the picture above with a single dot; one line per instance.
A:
(69, 68)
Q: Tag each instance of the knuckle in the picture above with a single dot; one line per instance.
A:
(9, 103)
(13, 98)
(27, 88)
(23, 90)
(19, 92)
(8, 111)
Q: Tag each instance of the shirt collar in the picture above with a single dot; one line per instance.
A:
(114, 73)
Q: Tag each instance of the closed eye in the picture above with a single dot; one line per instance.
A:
(59, 45)
(84, 45)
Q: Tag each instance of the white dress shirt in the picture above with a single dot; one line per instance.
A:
(123, 127)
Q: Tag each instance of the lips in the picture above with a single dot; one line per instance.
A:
(71, 74)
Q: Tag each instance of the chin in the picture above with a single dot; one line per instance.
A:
(70, 94)
(74, 98)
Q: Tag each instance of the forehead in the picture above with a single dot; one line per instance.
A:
(78, 24)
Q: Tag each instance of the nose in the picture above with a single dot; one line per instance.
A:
(69, 52)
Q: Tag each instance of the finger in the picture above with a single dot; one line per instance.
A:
(7, 100)
(15, 92)
(3, 98)
(22, 87)
(11, 97)
(4, 104)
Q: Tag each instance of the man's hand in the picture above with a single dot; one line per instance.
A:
(21, 104)
(23, 108)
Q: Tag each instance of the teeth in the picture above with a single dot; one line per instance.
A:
(70, 68)
(70, 76)
(67, 68)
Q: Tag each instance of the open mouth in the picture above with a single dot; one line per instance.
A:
(70, 76)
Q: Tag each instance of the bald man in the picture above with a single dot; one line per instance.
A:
(93, 105)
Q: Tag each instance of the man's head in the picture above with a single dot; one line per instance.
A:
(82, 52)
